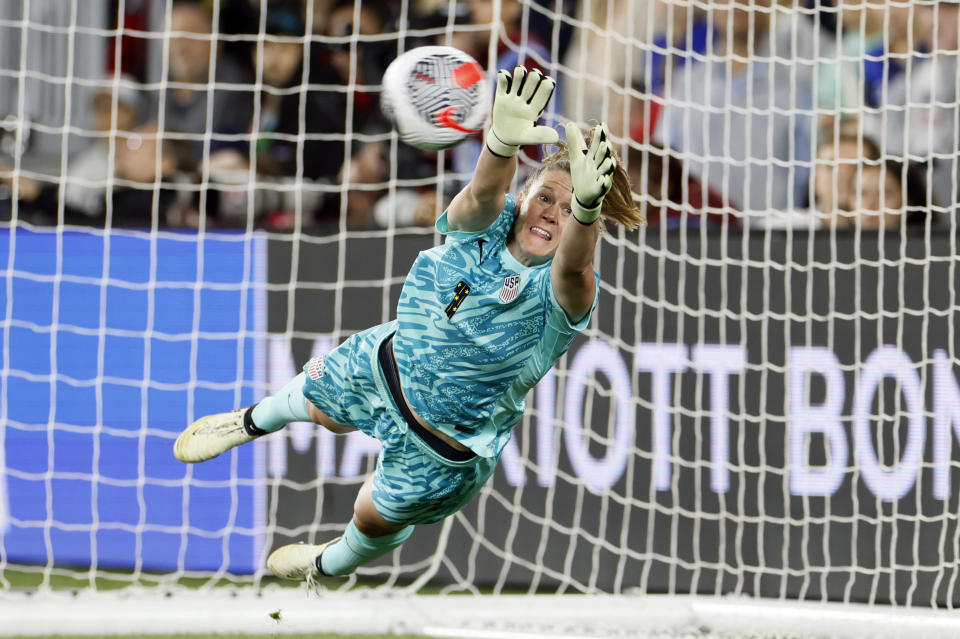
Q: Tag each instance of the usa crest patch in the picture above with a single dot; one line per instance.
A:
(315, 368)
(510, 289)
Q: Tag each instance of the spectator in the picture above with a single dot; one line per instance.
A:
(889, 194)
(139, 172)
(300, 132)
(644, 40)
(887, 59)
(325, 111)
(672, 197)
(279, 62)
(322, 10)
(191, 51)
(516, 46)
(87, 173)
(741, 117)
(687, 32)
(136, 174)
(32, 205)
(407, 207)
(840, 80)
(133, 164)
(350, 28)
(355, 67)
(837, 171)
(237, 20)
(920, 119)
(545, 20)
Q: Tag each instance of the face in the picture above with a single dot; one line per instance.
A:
(835, 175)
(544, 211)
(280, 61)
(190, 56)
(880, 198)
(103, 113)
(340, 24)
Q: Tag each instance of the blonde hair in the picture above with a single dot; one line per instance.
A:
(618, 204)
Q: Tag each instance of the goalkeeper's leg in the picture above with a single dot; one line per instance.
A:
(414, 483)
(367, 537)
(214, 434)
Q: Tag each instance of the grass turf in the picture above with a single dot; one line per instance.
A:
(32, 577)
(233, 636)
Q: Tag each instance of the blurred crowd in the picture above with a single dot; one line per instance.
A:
(775, 113)
(748, 112)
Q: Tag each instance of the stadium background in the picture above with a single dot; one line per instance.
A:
(765, 404)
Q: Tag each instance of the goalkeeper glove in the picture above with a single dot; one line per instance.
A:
(590, 171)
(520, 101)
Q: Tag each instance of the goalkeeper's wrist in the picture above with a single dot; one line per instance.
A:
(498, 147)
(586, 215)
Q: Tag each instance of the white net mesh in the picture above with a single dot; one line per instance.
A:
(198, 197)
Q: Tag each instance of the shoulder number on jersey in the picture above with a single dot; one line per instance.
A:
(459, 294)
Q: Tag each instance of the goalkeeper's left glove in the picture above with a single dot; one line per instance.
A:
(590, 170)
(521, 99)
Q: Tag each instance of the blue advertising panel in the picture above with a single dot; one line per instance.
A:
(110, 344)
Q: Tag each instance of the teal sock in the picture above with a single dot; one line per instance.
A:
(288, 405)
(355, 549)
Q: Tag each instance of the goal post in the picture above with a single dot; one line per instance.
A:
(756, 435)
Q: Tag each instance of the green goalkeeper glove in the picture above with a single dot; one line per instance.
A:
(520, 101)
(590, 171)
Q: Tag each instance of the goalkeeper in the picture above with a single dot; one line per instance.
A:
(480, 320)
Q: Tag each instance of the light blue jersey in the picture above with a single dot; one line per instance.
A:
(477, 330)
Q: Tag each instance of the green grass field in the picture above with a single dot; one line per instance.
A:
(31, 578)
(231, 636)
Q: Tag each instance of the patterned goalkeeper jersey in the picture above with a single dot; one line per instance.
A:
(476, 330)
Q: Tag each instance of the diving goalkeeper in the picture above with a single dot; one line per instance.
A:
(481, 318)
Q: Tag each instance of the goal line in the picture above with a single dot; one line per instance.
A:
(290, 611)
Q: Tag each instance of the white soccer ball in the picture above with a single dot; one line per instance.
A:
(435, 97)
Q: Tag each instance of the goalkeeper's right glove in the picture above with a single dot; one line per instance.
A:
(520, 101)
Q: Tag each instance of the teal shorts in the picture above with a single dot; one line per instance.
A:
(413, 483)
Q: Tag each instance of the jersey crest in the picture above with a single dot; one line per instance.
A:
(510, 289)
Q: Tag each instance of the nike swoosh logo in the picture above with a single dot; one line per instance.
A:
(445, 118)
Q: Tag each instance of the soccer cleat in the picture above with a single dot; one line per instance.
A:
(297, 562)
(211, 435)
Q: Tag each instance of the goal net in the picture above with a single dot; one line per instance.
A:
(758, 430)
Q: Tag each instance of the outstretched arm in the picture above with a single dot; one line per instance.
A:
(521, 99)
(574, 283)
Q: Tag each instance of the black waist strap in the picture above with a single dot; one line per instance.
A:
(389, 366)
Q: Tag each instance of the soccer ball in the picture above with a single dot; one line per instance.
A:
(435, 97)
